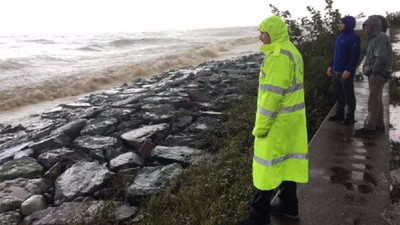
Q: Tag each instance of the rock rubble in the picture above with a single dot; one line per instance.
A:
(142, 134)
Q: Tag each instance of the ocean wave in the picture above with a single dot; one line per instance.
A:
(140, 41)
(87, 82)
(23, 63)
(11, 64)
(41, 41)
(92, 48)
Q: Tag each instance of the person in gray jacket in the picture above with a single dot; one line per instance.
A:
(377, 67)
(384, 22)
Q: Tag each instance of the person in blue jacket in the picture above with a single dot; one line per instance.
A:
(343, 68)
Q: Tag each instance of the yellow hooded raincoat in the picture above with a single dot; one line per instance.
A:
(280, 147)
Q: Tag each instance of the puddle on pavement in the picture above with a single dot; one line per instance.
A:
(362, 166)
(361, 150)
(346, 178)
(361, 157)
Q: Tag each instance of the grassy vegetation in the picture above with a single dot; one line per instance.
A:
(219, 191)
(393, 18)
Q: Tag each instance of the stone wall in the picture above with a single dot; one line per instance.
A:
(143, 133)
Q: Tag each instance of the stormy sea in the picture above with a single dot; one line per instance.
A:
(42, 70)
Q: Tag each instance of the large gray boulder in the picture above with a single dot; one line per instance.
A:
(131, 100)
(98, 147)
(100, 126)
(9, 203)
(9, 153)
(181, 122)
(202, 124)
(81, 213)
(177, 154)
(81, 179)
(53, 142)
(23, 188)
(65, 156)
(72, 129)
(25, 167)
(10, 218)
(152, 180)
(136, 138)
(128, 159)
(180, 139)
(119, 114)
(33, 204)
(25, 153)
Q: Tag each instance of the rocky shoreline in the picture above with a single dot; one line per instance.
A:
(142, 134)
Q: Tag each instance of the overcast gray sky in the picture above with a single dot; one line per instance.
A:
(93, 16)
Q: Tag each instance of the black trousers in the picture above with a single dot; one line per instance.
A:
(261, 202)
(344, 95)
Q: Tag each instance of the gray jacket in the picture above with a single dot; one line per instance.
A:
(378, 59)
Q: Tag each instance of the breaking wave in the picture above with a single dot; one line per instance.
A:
(11, 64)
(136, 41)
(41, 41)
(76, 84)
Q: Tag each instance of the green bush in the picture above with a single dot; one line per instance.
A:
(315, 37)
(393, 18)
(219, 190)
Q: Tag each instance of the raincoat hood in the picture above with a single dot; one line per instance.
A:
(277, 31)
(349, 22)
(384, 22)
(375, 24)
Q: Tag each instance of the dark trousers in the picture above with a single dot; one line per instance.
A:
(344, 95)
(262, 200)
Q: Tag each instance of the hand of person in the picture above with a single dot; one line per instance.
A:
(329, 72)
(345, 75)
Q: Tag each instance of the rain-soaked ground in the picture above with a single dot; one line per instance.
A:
(349, 181)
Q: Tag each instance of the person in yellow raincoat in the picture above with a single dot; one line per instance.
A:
(281, 146)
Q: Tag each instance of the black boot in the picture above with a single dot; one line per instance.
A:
(251, 222)
(336, 117)
(279, 209)
(348, 121)
(380, 128)
(364, 132)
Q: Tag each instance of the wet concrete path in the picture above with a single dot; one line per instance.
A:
(349, 175)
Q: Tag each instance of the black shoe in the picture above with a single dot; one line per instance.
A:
(336, 117)
(348, 121)
(281, 211)
(251, 222)
(380, 128)
(363, 131)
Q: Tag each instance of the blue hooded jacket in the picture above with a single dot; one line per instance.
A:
(347, 47)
